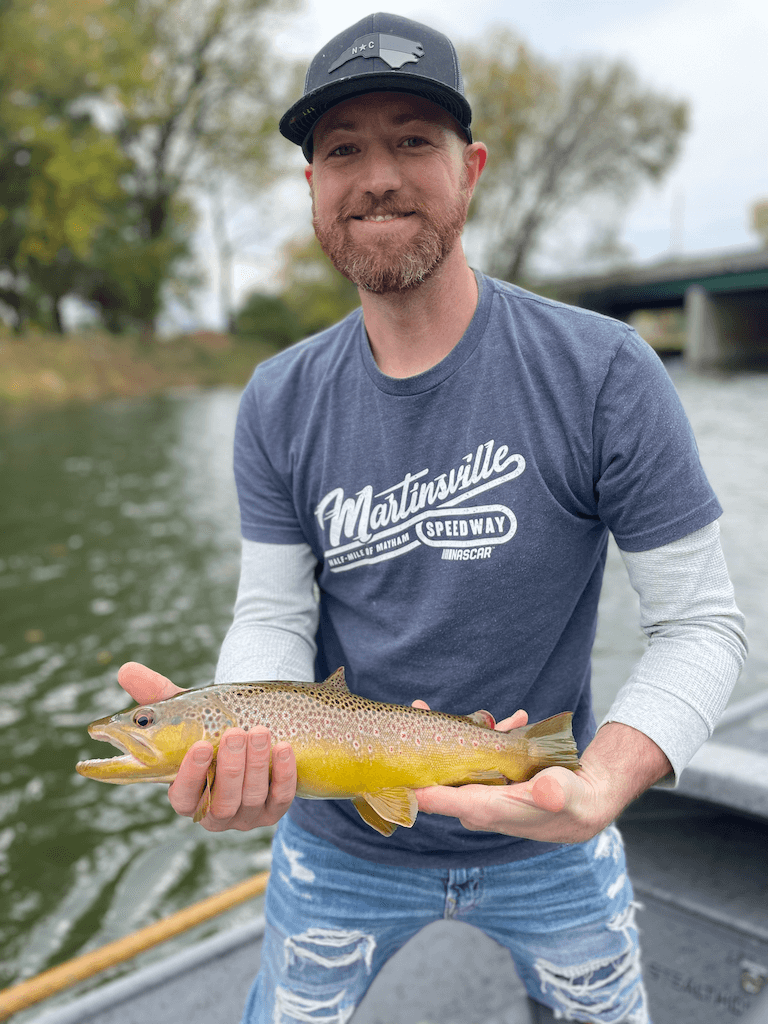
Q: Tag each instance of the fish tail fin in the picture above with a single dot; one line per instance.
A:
(551, 742)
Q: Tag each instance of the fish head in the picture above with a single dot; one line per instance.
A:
(154, 738)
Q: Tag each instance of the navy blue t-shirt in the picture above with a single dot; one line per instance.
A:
(460, 518)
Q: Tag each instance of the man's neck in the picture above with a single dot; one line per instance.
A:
(412, 332)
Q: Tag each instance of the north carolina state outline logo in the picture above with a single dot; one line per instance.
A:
(393, 50)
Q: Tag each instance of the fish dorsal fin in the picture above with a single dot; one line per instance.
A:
(370, 817)
(549, 726)
(551, 742)
(483, 718)
(397, 805)
(337, 681)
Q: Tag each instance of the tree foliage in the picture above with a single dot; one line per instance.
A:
(268, 318)
(58, 171)
(317, 293)
(313, 297)
(557, 135)
(112, 112)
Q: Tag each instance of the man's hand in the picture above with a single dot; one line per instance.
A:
(558, 805)
(243, 797)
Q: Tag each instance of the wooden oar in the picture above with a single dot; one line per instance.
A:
(27, 993)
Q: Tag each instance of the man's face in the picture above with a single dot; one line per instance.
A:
(390, 183)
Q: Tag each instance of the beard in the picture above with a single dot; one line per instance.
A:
(390, 266)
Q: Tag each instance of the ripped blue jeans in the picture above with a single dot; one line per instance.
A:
(333, 920)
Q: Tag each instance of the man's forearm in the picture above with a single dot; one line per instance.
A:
(627, 761)
(697, 647)
(276, 615)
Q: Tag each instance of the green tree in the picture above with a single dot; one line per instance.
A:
(205, 104)
(58, 171)
(113, 112)
(314, 295)
(312, 287)
(268, 318)
(557, 135)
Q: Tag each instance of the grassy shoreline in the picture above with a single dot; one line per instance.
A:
(39, 371)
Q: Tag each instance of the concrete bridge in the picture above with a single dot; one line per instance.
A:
(724, 295)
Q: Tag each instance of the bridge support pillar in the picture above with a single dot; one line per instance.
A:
(705, 341)
(726, 331)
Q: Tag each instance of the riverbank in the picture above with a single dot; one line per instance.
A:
(44, 371)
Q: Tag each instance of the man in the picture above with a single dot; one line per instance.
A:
(446, 465)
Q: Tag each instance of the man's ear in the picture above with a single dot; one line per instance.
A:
(475, 156)
(308, 175)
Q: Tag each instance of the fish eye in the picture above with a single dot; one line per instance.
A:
(144, 717)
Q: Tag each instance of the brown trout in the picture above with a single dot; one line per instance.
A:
(347, 747)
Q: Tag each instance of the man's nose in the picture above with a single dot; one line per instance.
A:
(380, 171)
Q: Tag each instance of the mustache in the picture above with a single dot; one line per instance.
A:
(370, 206)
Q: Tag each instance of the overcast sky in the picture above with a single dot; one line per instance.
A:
(712, 53)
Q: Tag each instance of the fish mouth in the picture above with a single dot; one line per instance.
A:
(133, 749)
(138, 762)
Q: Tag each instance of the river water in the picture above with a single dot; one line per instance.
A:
(119, 541)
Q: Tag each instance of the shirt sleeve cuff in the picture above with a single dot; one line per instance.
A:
(672, 724)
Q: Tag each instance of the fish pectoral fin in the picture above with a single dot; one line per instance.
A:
(398, 805)
(205, 800)
(490, 776)
(483, 718)
(370, 817)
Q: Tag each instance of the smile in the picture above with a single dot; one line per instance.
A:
(379, 218)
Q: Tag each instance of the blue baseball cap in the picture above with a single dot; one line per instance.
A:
(380, 53)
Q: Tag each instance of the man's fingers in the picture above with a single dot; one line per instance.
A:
(283, 787)
(515, 721)
(230, 772)
(549, 793)
(243, 796)
(145, 685)
(256, 778)
(184, 792)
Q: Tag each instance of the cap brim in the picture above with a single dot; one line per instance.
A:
(298, 123)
